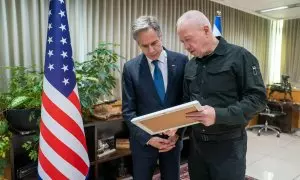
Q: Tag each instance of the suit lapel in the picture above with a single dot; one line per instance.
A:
(171, 73)
(146, 78)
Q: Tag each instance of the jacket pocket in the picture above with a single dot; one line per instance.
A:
(221, 79)
(191, 82)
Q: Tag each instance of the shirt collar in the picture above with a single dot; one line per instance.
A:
(219, 50)
(221, 47)
(162, 57)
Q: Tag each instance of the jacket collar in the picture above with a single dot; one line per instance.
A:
(221, 47)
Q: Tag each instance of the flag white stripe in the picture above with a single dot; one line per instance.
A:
(63, 103)
(76, 91)
(216, 31)
(64, 136)
(42, 173)
(60, 164)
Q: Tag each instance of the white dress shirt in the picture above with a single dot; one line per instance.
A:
(163, 66)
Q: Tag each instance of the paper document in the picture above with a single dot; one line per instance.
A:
(170, 118)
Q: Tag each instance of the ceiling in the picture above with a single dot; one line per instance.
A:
(254, 6)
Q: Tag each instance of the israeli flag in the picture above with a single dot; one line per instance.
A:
(217, 29)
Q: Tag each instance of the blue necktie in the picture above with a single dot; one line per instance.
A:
(158, 81)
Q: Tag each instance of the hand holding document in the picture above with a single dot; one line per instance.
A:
(170, 132)
(167, 119)
(206, 115)
(158, 142)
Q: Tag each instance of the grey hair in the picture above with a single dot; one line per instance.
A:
(144, 23)
(195, 17)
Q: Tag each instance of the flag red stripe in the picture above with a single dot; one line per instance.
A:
(63, 119)
(74, 99)
(51, 171)
(64, 151)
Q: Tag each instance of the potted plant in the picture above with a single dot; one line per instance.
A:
(21, 103)
(4, 145)
(95, 77)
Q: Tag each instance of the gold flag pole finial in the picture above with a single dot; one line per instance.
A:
(219, 13)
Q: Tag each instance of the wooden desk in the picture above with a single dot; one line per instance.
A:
(278, 96)
(253, 121)
(295, 116)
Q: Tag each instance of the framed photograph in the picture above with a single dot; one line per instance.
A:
(170, 118)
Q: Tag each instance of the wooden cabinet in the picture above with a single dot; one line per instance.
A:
(296, 116)
(21, 165)
(253, 121)
(24, 168)
(108, 167)
(278, 96)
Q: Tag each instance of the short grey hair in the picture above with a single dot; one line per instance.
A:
(144, 23)
(195, 17)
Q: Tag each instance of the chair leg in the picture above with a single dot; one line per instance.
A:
(259, 131)
(255, 126)
(275, 127)
(275, 130)
(265, 127)
(271, 128)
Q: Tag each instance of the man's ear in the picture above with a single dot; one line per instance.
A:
(206, 29)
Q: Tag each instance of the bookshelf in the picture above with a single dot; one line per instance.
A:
(106, 167)
(99, 130)
(115, 155)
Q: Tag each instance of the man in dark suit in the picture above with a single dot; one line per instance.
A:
(152, 81)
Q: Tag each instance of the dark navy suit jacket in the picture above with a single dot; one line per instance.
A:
(139, 95)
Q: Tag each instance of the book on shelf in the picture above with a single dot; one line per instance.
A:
(106, 146)
(122, 144)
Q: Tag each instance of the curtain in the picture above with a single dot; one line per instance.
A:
(275, 51)
(249, 31)
(290, 56)
(24, 26)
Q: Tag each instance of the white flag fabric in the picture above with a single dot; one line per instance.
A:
(217, 29)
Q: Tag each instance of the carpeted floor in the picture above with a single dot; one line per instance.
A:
(184, 174)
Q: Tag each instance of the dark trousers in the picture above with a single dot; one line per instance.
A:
(169, 164)
(223, 160)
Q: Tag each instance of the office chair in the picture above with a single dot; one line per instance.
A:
(269, 115)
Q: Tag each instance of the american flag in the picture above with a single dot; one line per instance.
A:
(62, 146)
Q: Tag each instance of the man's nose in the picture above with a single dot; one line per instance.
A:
(186, 46)
(151, 49)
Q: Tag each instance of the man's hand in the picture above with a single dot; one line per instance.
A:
(206, 115)
(160, 143)
(173, 139)
(170, 132)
